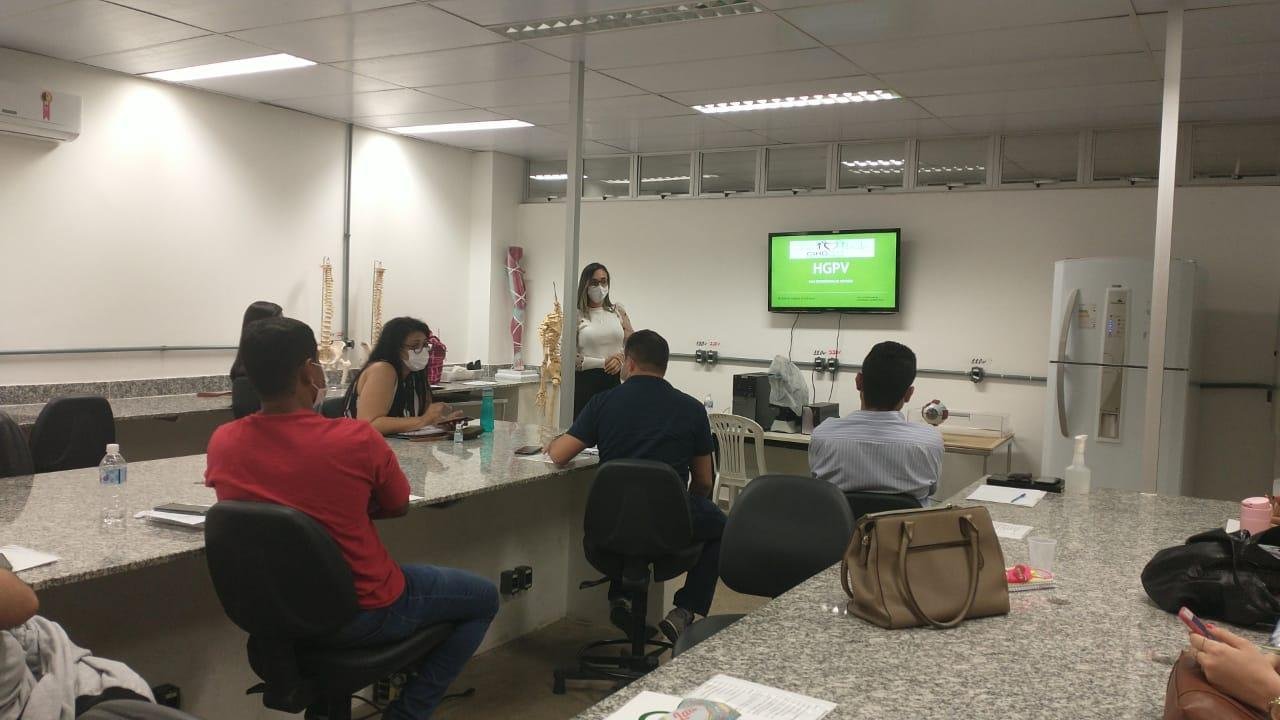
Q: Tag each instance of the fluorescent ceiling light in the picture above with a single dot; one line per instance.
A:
(248, 66)
(797, 101)
(653, 15)
(953, 168)
(462, 127)
(872, 163)
(552, 176)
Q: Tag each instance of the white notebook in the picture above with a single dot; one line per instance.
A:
(1007, 495)
(22, 558)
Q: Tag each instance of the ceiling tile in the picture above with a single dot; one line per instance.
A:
(679, 42)
(528, 91)
(676, 143)
(13, 7)
(797, 65)
(922, 127)
(399, 30)
(829, 115)
(648, 127)
(522, 142)
(231, 15)
(1078, 118)
(301, 82)
(1025, 101)
(1242, 87)
(429, 118)
(369, 104)
(1260, 108)
(786, 89)
(880, 20)
(473, 64)
(1216, 27)
(493, 12)
(1254, 59)
(180, 54)
(1131, 67)
(989, 47)
(1151, 6)
(630, 107)
(788, 4)
(82, 28)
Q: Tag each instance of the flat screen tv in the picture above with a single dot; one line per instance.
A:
(854, 271)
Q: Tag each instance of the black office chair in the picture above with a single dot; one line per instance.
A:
(72, 432)
(281, 578)
(15, 455)
(783, 530)
(865, 503)
(637, 529)
(244, 398)
(133, 710)
(333, 407)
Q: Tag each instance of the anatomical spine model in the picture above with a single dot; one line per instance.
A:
(376, 327)
(329, 349)
(549, 331)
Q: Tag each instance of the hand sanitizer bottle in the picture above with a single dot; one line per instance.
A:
(1077, 475)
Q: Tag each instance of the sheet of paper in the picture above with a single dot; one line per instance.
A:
(1010, 531)
(415, 497)
(168, 518)
(544, 458)
(425, 430)
(1232, 525)
(479, 383)
(22, 558)
(1007, 495)
(761, 702)
(643, 704)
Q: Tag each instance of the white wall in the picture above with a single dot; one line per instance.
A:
(496, 190)
(177, 207)
(977, 278)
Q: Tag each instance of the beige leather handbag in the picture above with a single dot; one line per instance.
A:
(936, 566)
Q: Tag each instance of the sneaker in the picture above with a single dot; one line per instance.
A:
(620, 613)
(674, 624)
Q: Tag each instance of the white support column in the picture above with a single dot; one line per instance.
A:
(572, 226)
(1163, 251)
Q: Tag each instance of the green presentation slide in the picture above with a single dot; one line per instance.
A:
(847, 271)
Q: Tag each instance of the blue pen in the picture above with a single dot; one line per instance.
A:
(1015, 500)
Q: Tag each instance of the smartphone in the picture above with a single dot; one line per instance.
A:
(529, 450)
(182, 508)
(1193, 623)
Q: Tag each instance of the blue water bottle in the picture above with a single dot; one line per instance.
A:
(486, 410)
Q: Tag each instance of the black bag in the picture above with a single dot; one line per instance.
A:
(1219, 575)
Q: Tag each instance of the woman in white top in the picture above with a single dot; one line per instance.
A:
(603, 328)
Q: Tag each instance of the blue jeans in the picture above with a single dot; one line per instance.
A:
(431, 595)
(700, 582)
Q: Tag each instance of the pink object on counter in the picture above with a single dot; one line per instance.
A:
(1255, 515)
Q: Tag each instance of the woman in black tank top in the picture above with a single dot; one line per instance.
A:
(391, 392)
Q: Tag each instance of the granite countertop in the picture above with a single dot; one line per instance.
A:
(58, 512)
(135, 408)
(1094, 647)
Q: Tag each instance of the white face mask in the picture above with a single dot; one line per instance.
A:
(418, 359)
(597, 293)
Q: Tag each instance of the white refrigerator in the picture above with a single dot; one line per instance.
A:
(1098, 366)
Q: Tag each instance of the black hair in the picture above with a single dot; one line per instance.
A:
(394, 333)
(583, 281)
(887, 374)
(649, 350)
(257, 310)
(274, 349)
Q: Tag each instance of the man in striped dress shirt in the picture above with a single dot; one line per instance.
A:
(875, 449)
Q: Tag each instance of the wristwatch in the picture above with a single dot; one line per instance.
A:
(1273, 709)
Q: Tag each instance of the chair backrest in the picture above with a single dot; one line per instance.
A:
(333, 407)
(15, 456)
(639, 509)
(783, 530)
(244, 398)
(865, 503)
(72, 432)
(731, 433)
(277, 572)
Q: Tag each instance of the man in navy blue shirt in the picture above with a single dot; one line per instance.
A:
(646, 418)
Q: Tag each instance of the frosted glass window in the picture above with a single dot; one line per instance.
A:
(547, 179)
(733, 171)
(1132, 155)
(1236, 151)
(799, 168)
(665, 174)
(1040, 159)
(879, 164)
(606, 177)
(952, 161)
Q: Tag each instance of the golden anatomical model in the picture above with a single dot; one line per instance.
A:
(329, 349)
(549, 331)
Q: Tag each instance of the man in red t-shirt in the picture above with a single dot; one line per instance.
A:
(343, 474)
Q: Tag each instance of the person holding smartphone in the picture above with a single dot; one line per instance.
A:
(391, 392)
(1238, 668)
(603, 328)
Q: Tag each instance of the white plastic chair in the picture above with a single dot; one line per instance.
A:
(731, 433)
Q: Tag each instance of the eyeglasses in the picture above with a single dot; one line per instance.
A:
(596, 283)
(417, 348)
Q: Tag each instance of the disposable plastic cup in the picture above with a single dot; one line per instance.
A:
(1042, 551)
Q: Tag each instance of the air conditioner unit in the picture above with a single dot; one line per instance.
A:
(40, 113)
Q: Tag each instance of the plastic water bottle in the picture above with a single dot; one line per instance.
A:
(1077, 475)
(709, 404)
(112, 473)
(486, 410)
(457, 434)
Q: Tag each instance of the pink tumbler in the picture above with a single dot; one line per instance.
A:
(1255, 515)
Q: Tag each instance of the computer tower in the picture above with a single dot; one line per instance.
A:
(751, 398)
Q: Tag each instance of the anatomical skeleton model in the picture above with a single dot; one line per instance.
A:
(329, 348)
(549, 331)
(376, 327)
